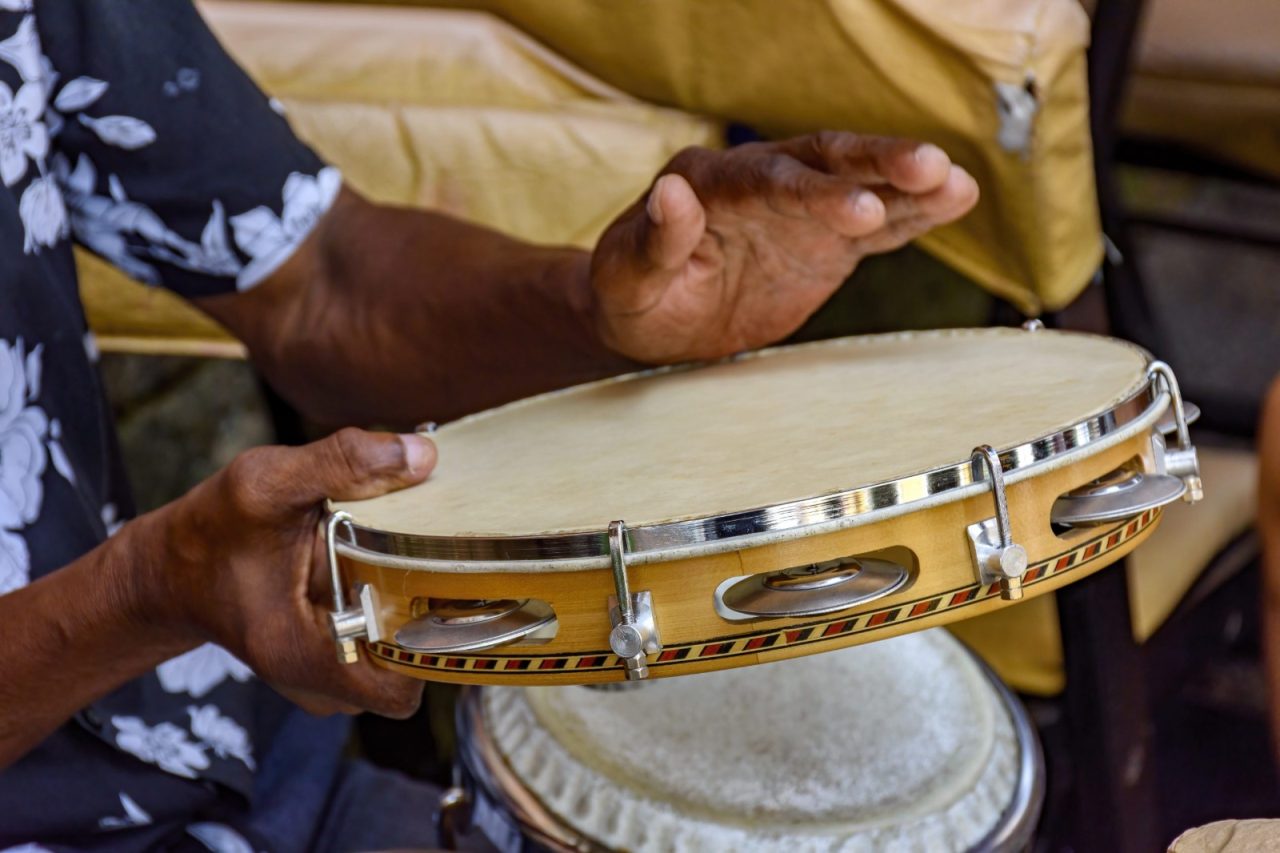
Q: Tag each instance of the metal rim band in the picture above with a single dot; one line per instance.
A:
(649, 543)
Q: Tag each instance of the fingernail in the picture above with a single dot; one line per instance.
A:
(419, 452)
(928, 151)
(652, 205)
(867, 204)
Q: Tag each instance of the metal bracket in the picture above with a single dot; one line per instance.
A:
(635, 631)
(355, 623)
(995, 555)
(1181, 462)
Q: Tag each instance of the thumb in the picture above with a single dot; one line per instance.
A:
(673, 226)
(353, 464)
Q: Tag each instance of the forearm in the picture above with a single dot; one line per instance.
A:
(73, 636)
(397, 316)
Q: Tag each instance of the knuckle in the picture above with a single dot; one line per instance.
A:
(826, 142)
(775, 168)
(687, 159)
(243, 479)
(350, 453)
(403, 698)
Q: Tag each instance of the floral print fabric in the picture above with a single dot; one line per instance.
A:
(125, 127)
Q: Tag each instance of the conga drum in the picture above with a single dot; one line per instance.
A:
(906, 745)
(768, 506)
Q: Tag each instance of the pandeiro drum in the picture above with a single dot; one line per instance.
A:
(910, 744)
(781, 503)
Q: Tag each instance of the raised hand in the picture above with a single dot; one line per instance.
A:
(733, 250)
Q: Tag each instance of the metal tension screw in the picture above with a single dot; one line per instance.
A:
(1183, 462)
(628, 638)
(1005, 560)
(347, 625)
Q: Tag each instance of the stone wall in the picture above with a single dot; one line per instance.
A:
(181, 419)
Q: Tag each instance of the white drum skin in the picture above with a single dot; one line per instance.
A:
(773, 426)
(904, 745)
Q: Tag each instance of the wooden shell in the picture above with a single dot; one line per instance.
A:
(932, 542)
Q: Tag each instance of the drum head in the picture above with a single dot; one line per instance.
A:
(776, 426)
(903, 744)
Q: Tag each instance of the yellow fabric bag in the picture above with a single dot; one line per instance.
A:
(1000, 84)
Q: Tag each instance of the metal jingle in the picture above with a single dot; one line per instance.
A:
(488, 627)
(828, 587)
(454, 611)
(1167, 424)
(1122, 494)
(814, 576)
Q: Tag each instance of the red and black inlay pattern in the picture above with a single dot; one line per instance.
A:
(745, 644)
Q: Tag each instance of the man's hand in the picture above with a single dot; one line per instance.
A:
(239, 560)
(734, 250)
(242, 561)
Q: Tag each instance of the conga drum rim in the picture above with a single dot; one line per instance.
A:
(501, 800)
(1134, 407)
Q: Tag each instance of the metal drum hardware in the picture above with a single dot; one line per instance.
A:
(449, 626)
(446, 626)
(635, 631)
(997, 557)
(1181, 462)
(355, 623)
(1123, 493)
(811, 590)
(1168, 422)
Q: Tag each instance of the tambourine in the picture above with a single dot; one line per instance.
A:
(771, 505)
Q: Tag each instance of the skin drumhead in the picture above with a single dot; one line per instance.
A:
(895, 745)
(780, 425)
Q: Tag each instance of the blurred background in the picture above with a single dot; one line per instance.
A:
(1129, 156)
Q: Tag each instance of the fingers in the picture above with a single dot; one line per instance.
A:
(351, 464)
(792, 189)
(674, 224)
(954, 198)
(303, 665)
(905, 164)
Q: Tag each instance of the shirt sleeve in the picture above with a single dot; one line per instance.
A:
(173, 165)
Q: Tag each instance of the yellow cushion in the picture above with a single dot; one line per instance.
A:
(926, 68)
(451, 110)
(1022, 643)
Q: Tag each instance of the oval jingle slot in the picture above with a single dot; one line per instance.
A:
(1123, 493)
(811, 590)
(447, 626)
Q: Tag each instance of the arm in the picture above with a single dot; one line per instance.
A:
(73, 636)
(397, 316)
(392, 315)
(237, 561)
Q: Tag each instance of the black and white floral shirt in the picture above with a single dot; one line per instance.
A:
(124, 126)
